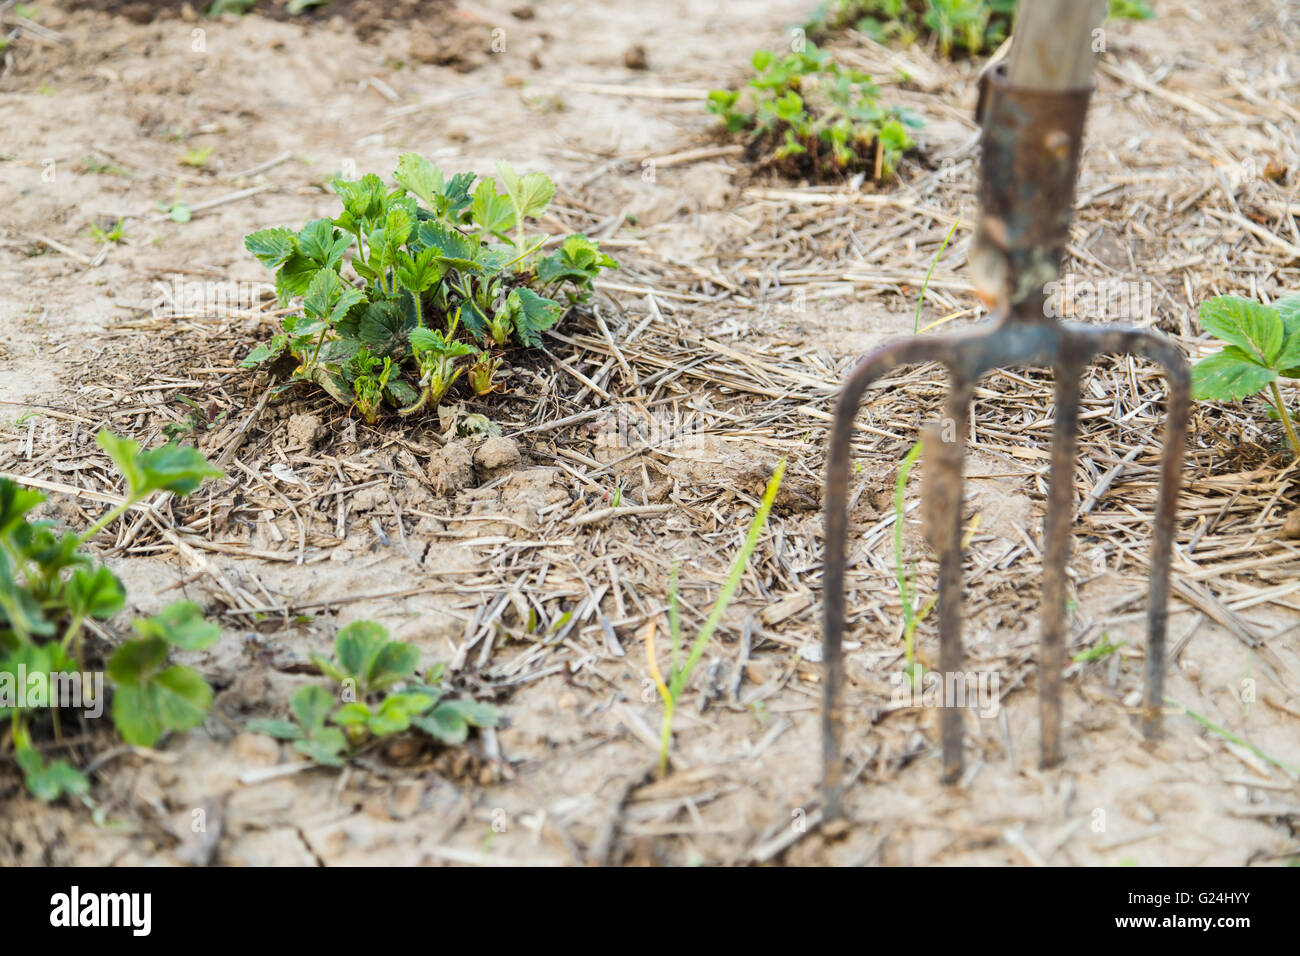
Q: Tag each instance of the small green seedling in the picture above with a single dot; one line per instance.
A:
(197, 158)
(1103, 648)
(905, 576)
(1262, 344)
(50, 588)
(379, 697)
(680, 672)
(806, 116)
(115, 233)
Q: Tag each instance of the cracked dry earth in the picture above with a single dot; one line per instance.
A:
(457, 548)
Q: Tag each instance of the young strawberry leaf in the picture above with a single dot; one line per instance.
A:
(181, 625)
(323, 244)
(48, 782)
(173, 699)
(492, 212)
(273, 247)
(98, 593)
(1255, 329)
(419, 176)
(531, 315)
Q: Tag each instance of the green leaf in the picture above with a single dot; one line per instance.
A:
(358, 645)
(181, 625)
(1255, 329)
(532, 315)
(279, 729)
(419, 176)
(395, 661)
(324, 245)
(176, 468)
(174, 699)
(1229, 375)
(135, 660)
(385, 327)
(273, 247)
(21, 609)
(455, 249)
(395, 713)
(294, 277)
(180, 211)
(492, 212)
(170, 467)
(475, 713)
(98, 594)
(530, 194)
(125, 454)
(325, 746)
(15, 502)
(329, 298)
(49, 782)
(311, 706)
(444, 723)
(1288, 360)
(354, 714)
(266, 352)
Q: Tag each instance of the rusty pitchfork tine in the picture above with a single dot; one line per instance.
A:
(1032, 141)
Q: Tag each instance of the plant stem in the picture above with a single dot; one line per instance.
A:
(1286, 419)
(115, 513)
(916, 323)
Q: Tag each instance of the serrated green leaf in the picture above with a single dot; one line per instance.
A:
(532, 315)
(181, 625)
(444, 723)
(1229, 375)
(419, 176)
(385, 327)
(180, 469)
(15, 502)
(311, 706)
(395, 661)
(1255, 329)
(324, 245)
(326, 746)
(353, 714)
(358, 644)
(492, 213)
(272, 247)
(394, 715)
(530, 194)
(134, 660)
(98, 593)
(294, 277)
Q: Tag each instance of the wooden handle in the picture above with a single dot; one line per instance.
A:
(1051, 48)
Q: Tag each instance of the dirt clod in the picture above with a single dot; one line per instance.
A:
(451, 468)
(496, 455)
(305, 428)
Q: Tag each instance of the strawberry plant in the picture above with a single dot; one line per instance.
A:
(970, 27)
(380, 696)
(806, 116)
(50, 587)
(408, 288)
(1262, 344)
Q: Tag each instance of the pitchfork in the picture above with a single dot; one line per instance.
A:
(1032, 111)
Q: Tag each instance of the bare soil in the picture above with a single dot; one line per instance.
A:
(740, 305)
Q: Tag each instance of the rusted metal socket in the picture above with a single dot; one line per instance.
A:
(1032, 141)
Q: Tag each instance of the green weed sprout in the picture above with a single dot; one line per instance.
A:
(905, 576)
(679, 673)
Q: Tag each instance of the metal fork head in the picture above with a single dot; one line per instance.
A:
(1032, 141)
